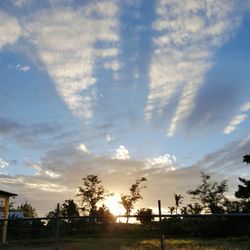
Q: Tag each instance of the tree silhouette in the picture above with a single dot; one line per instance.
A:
(70, 208)
(171, 210)
(55, 212)
(210, 194)
(233, 206)
(28, 210)
(184, 210)
(104, 215)
(144, 215)
(246, 159)
(128, 201)
(195, 208)
(243, 191)
(91, 193)
(178, 201)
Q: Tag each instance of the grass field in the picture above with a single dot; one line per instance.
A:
(129, 243)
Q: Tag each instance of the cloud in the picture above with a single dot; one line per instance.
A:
(109, 138)
(166, 161)
(114, 65)
(8, 126)
(187, 36)
(3, 164)
(244, 141)
(227, 160)
(29, 135)
(122, 153)
(245, 107)
(24, 68)
(238, 119)
(20, 3)
(41, 170)
(9, 29)
(83, 148)
(118, 175)
(47, 187)
(66, 42)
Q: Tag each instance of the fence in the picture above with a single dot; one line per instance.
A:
(57, 232)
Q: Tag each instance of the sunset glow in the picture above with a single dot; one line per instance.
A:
(114, 206)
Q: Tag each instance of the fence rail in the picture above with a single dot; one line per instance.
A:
(25, 231)
(130, 216)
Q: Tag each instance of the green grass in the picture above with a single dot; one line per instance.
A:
(130, 242)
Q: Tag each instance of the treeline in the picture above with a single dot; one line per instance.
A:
(208, 197)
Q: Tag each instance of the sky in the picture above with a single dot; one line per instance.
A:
(122, 89)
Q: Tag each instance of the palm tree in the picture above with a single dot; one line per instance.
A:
(184, 210)
(178, 201)
(195, 208)
(171, 210)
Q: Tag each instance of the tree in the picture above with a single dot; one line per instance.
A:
(11, 206)
(171, 210)
(55, 212)
(233, 206)
(128, 201)
(243, 191)
(104, 215)
(144, 215)
(28, 210)
(195, 208)
(70, 208)
(178, 201)
(246, 159)
(91, 193)
(210, 194)
(184, 210)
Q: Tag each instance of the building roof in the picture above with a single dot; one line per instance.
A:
(5, 193)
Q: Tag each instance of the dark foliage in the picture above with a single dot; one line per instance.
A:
(206, 227)
(128, 201)
(105, 216)
(27, 209)
(91, 193)
(210, 194)
(70, 208)
(246, 159)
(144, 215)
(243, 191)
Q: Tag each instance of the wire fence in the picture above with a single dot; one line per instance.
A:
(64, 232)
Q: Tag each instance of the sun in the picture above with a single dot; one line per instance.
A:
(114, 206)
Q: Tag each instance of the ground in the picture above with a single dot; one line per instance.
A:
(129, 243)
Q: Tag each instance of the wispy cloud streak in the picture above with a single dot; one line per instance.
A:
(10, 29)
(188, 34)
(238, 119)
(66, 43)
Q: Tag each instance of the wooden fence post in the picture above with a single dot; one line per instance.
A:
(161, 226)
(57, 227)
(5, 222)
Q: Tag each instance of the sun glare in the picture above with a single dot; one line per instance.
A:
(114, 206)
